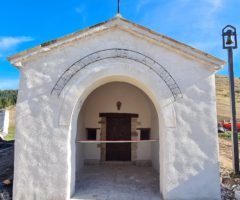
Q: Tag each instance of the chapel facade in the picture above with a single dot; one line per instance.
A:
(116, 94)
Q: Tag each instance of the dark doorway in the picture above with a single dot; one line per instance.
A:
(118, 128)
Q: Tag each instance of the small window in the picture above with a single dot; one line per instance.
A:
(144, 133)
(91, 133)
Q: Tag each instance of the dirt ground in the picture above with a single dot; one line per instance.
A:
(225, 154)
(230, 183)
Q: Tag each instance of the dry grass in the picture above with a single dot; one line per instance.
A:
(224, 112)
(223, 100)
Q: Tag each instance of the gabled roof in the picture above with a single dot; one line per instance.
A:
(121, 23)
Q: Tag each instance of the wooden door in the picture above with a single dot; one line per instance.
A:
(118, 128)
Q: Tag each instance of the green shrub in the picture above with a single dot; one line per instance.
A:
(227, 135)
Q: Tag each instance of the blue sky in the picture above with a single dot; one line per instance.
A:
(27, 23)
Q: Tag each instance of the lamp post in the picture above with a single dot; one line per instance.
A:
(229, 38)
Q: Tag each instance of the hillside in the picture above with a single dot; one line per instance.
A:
(223, 100)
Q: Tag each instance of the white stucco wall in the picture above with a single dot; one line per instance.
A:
(4, 122)
(46, 124)
(192, 148)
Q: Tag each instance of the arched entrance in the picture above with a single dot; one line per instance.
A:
(83, 84)
(117, 137)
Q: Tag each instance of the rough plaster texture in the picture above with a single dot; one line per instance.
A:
(45, 149)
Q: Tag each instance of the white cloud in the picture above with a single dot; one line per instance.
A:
(216, 3)
(6, 84)
(81, 10)
(142, 3)
(8, 42)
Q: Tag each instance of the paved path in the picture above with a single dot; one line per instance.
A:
(117, 182)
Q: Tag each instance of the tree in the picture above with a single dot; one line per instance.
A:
(8, 98)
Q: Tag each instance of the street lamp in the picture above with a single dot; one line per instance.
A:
(229, 38)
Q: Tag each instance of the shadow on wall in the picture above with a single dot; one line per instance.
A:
(38, 116)
(195, 163)
(201, 127)
(201, 186)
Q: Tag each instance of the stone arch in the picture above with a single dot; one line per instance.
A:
(104, 54)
